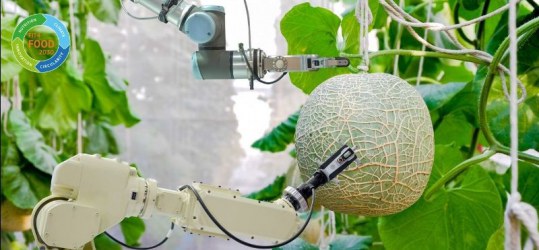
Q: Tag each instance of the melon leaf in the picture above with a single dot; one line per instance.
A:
(104, 242)
(313, 30)
(99, 139)
(105, 11)
(132, 229)
(110, 96)
(459, 218)
(496, 241)
(64, 95)
(463, 215)
(279, 137)
(24, 186)
(270, 192)
(31, 143)
(297, 244)
(341, 242)
(436, 95)
(10, 67)
(528, 177)
(528, 124)
(351, 242)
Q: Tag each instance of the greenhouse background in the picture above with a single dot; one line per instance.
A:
(199, 130)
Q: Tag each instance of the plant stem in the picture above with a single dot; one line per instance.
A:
(521, 155)
(463, 166)
(492, 71)
(419, 53)
(496, 147)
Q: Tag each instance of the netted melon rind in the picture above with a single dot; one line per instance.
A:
(388, 122)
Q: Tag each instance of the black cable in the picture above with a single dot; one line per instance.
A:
(141, 248)
(195, 192)
(459, 30)
(253, 74)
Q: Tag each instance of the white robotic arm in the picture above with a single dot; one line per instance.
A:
(90, 194)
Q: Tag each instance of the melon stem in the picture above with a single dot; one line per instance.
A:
(453, 173)
(419, 53)
(498, 57)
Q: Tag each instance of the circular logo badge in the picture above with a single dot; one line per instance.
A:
(41, 46)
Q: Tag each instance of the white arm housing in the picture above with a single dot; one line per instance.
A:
(90, 194)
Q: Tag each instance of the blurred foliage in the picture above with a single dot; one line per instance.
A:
(42, 132)
(270, 192)
(280, 137)
(467, 212)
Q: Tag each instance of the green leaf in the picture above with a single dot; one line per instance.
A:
(10, 66)
(28, 237)
(297, 244)
(31, 142)
(458, 73)
(436, 95)
(293, 153)
(500, 33)
(10, 154)
(354, 242)
(279, 137)
(100, 139)
(270, 192)
(34, 6)
(341, 242)
(357, 225)
(454, 128)
(466, 101)
(471, 4)
(110, 96)
(379, 14)
(496, 241)
(105, 11)
(447, 157)
(313, 30)
(63, 97)
(528, 177)
(6, 239)
(350, 33)
(463, 215)
(24, 186)
(528, 124)
(490, 23)
(132, 229)
(103, 242)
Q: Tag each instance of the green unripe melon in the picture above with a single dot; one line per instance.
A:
(387, 122)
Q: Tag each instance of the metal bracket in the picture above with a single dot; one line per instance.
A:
(165, 8)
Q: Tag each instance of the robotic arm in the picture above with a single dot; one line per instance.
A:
(205, 25)
(91, 194)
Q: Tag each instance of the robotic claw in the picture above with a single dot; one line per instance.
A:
(91, 194)
(205, 25)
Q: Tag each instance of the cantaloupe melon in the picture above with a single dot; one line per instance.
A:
(387, 122)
